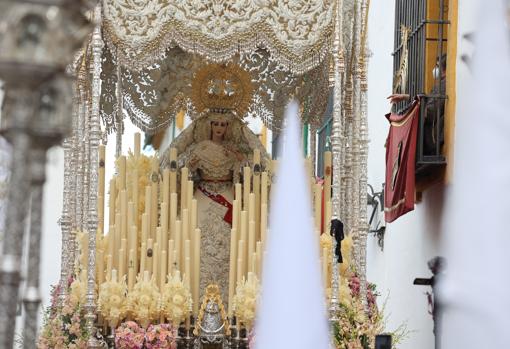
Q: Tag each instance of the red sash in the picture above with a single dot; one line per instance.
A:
(220, 199)
(400, 163)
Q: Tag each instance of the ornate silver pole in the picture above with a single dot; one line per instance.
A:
(346, 169)
(94, 139)
(119, 123)
(363, 149)
(339, 67)
(67, 222)
(20, 103)
(356, 169)
(86, 162)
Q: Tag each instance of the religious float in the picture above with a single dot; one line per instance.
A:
(177, 263)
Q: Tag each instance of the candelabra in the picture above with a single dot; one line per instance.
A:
(34, 50)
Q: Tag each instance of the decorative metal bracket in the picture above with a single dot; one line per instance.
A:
(376, 200)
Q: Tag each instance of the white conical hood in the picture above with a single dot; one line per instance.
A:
(292, 312)
(476, 291)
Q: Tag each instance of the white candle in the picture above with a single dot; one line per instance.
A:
(251, 245)
(251, 208)
(178, 242)
(193, 215)
(173, 172)
(133, 244)
(154, 207)
(239, 277)
(109, 266)
(145, 227)
(244, 234)
(187, 263)
(232, 272)
(242, 257)
(173, 215)
(263, 188)
(246, 187)
(256, 191)
(123, 213)
(148, 210)
(118, 238)
(112, 198)
(166, 186)
(121, 263)
(143, 257)
(258, 252)
(235, 217)
(111, 241)
(163, 265)
(122, 171)
(171, 257)
(131, 269)
(185, 224)
(184, 187)
(196, 271)
(150, 256)
(155, 263)
(189, 194)
(263, 223)
(135, 196)
(164, 222)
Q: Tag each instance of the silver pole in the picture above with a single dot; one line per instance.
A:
(94, 139)
(336, 148)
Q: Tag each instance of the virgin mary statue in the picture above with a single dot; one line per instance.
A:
(215, 148)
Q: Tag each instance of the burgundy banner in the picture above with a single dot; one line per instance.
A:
(400, 163)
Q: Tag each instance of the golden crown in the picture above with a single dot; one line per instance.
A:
(222, 88)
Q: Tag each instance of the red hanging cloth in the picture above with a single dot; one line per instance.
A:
(400, 163)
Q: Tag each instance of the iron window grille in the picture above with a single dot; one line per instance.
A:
(426, 36)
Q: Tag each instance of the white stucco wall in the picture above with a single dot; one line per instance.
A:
(414, 238)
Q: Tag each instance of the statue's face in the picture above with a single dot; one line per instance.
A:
(219, 128)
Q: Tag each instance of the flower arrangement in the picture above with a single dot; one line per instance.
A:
(143, 301)
(112, 300)
(78, 290)
(64, 326)
(245, 300)
(359, 321)
(161, 337)
(129, 335)
(175, 299)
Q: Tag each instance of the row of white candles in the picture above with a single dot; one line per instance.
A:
(174, 238)
(163, 240)
(166, 237)
(249, 227)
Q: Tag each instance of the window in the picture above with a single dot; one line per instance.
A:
(421, 29)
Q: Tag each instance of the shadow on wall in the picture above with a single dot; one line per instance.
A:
(433, 206)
